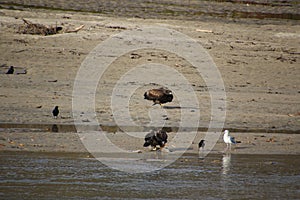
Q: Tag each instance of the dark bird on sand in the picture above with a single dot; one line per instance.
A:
(201, 144)
(55, 112)
(159, 96)
(10, 70)
(156, 139)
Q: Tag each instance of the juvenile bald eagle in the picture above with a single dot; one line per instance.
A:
(159, 96)
(155, 139)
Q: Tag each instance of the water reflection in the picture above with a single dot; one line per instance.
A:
(54, 128)
(226, 163)
(27, 175)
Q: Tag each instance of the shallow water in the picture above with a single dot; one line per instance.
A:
(27, 175)
(62, 128)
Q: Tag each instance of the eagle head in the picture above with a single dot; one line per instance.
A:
(145, 95)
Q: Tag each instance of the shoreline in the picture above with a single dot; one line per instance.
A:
(258, 61)
(251, 143)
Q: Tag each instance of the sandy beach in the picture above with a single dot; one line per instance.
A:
(258, 60)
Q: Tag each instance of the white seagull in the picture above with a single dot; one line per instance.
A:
(228, 139)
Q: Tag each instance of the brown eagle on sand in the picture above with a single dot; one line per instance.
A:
(159, 96)
(157, 139)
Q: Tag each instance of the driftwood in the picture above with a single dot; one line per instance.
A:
(75, 30)
(40, 29)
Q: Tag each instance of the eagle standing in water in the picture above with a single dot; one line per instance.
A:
(159, 96)
(156, 138)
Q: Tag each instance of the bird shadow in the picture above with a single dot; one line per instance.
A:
(178, 107)
(180, 149)
(241, 147)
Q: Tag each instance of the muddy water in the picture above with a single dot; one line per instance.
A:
(75, 176)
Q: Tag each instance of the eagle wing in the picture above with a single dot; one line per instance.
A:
(149, 139)
(154, 94)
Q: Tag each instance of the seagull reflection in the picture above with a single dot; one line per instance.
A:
(226, 163)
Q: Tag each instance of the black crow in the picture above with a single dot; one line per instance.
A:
(201, 144)
(55, 112)
(10, 70)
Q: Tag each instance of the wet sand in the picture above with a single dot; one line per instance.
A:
(251, 143)
(257, 58)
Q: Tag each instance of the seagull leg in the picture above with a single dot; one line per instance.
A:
(226, 149)
(200, 153)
